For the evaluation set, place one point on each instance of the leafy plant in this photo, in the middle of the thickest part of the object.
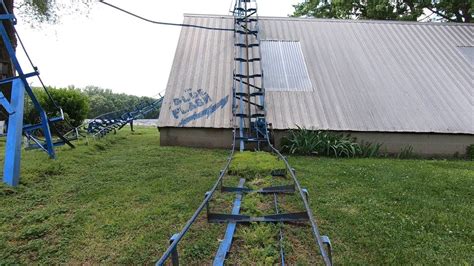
(308, 142)
(406, 152)
(470, 152)
(369, 150)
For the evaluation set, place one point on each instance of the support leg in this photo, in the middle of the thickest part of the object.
(174, 255)
(47, 135)
(11, 170)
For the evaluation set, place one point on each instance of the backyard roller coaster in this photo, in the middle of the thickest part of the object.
(250, 132)
(46, 134)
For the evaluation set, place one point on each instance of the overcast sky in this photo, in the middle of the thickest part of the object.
(112, 50)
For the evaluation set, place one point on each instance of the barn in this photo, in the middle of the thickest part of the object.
(396, 83)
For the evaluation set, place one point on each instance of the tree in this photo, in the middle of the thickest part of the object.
(105, 101)
(35, 12)
(421, 10)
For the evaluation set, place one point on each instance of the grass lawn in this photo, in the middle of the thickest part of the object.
(118, 200)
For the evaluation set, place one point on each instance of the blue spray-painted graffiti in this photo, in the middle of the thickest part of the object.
(206, 112)
(190, 101)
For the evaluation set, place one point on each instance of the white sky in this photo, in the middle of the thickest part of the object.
(110, 49)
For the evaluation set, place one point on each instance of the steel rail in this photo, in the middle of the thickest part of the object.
(198, 211)
(314, 225)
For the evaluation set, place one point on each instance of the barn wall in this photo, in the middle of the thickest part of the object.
(196, 137)
(423, 144)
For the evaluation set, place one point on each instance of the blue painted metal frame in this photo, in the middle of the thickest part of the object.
(229, 233)
(15, 109)
(11, 169)
(4, 102)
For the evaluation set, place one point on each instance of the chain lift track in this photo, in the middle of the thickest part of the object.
(248, 89)
(250, 131)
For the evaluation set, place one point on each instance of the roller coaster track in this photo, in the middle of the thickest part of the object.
(113, 121)
(322, 242)
(250, 131)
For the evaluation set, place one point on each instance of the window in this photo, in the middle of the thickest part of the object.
(284, 66)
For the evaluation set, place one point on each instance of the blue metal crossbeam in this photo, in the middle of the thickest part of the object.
(229, 233)
(4, 102)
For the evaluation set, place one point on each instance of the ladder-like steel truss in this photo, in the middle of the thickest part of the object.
(248, 86)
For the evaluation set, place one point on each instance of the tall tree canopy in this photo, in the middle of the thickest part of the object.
(48, 11)
(422, 10)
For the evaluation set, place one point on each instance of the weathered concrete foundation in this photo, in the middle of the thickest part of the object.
(423, 144)
(196, 137)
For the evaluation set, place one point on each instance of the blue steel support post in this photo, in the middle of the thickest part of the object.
(11, 170)
(174, 255)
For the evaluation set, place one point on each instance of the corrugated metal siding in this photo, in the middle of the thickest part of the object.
(203, 60)
(468, 52)
(366, 76)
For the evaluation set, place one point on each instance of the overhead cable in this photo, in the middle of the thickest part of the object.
(161, 22)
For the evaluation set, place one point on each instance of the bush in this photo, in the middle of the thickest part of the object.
(470, 152)
(74, 103)
(308, 142)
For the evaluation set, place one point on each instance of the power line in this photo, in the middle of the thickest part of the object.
(161, 22)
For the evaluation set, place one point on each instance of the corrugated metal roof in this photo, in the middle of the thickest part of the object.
(366, 76)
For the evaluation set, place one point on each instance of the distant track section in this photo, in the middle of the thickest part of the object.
(113, 121)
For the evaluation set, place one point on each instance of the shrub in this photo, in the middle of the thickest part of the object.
(74, 103)
(470, 152)
(308, 142)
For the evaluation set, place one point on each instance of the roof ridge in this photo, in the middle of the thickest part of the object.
(316, 20)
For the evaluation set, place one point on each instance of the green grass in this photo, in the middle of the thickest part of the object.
(118, 200)
(254, 164)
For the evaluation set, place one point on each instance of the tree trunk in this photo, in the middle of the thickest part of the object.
(6, 67)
